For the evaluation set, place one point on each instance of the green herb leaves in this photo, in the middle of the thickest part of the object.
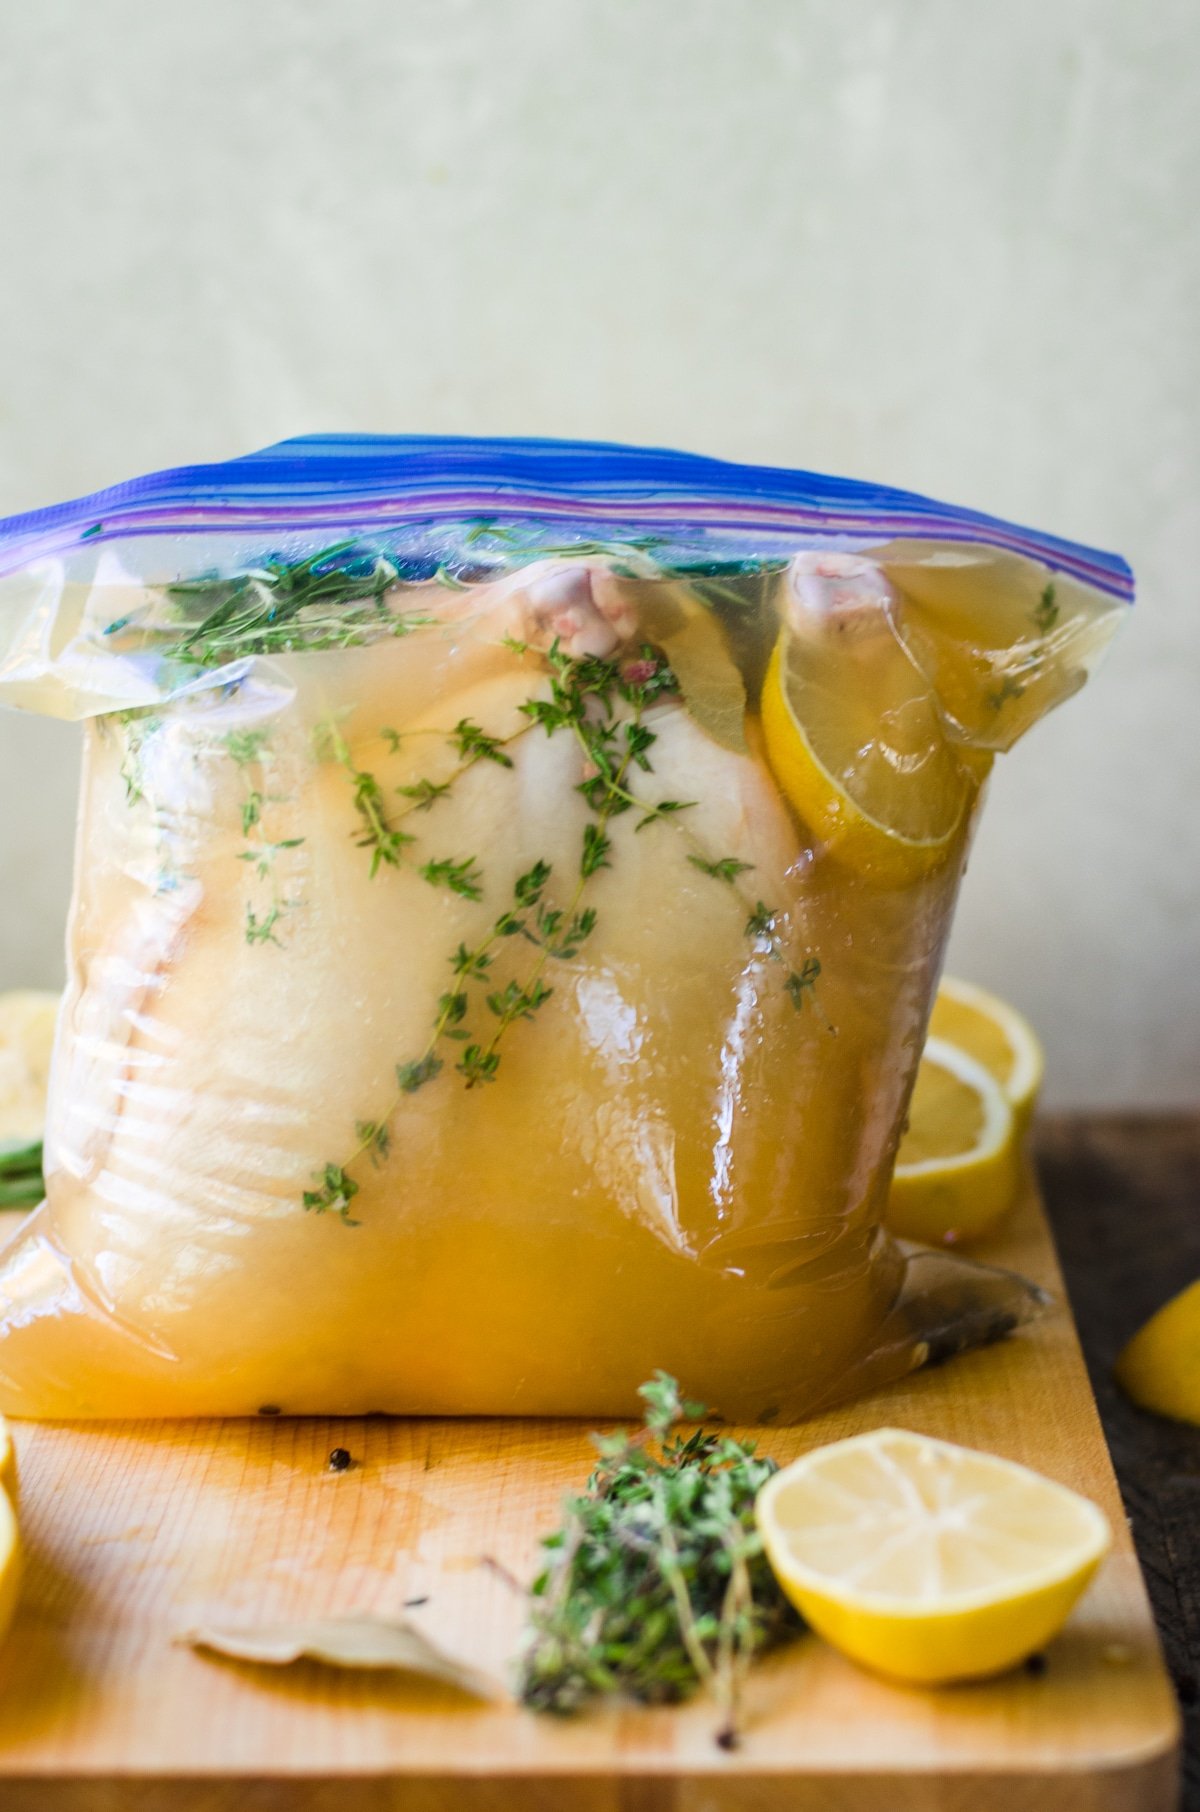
(249, 750)
(801, 983)
(725, 868)
(336, 598)
(21, 1182)
(594, 856)
(385, 843)
(1010, 687)
(412, 1076)
(424, 793)
(245, 746)
(530, 886)
(477, 1064)
(137, 728)
(1045, 616)
(761, 923)
(656, 1581)
(474, 745)
(463, 877)
(336, 1192)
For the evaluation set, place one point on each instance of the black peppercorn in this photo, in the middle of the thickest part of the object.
(339, 1460)
(1036, 1665)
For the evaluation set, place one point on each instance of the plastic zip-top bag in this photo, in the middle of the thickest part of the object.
(512, 878)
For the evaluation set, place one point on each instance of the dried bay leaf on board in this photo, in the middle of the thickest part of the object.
(351, 1642)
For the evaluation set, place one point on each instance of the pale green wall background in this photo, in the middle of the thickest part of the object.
(949, 244)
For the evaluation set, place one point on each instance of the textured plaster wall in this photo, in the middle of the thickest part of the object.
(944, 243)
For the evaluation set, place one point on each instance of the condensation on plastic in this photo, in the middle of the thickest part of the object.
(682, 1160)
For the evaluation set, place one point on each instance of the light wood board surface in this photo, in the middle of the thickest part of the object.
(137, 1532)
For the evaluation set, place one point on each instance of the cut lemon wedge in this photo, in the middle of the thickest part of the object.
(958, 1170)
(997, 1036)
(27, 1021)
(856, 745)
(1160, 1367)
(926, 1561)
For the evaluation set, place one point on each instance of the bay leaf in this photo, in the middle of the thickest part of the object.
(699, 653)
(351, 1642)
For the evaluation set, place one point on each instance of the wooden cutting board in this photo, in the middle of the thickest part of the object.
(139, 1531)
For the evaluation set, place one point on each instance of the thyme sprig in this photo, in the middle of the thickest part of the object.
(137, 727)
(336, 1184)
(380, 834)
(136, 730)
(377, 833)
(725, 868)
(337, 598)
(800, 985)
(1046, 613)
(245, 749)
(585, 692)
(657, 1582)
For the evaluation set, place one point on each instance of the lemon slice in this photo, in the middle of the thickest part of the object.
(1160, 1367)
(926, 1561)
(856, 745)
(997, 1036)
(27, 1021)
(958, 1170)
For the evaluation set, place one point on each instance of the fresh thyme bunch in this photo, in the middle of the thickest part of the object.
(657, 1581)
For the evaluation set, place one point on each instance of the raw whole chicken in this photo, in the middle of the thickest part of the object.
(408, 1065)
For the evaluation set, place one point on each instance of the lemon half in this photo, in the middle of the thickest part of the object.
(926, 1561)
(958, 1170)
(27, 1022)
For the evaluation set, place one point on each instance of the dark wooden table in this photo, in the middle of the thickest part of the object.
(1123, 1193)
